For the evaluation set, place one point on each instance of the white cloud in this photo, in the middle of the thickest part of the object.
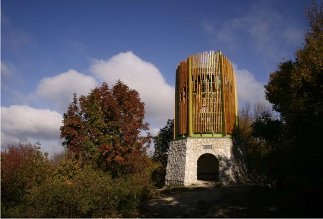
(144, 77)
(5, 70)
(60, 88)
(22, 123)
(250, 91)
(9, 74)
(269, 32)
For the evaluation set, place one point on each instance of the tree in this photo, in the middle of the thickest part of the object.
(22, 167)
(267, 129)
(256, 147)
(106, 126)
(296, 91)
(162, 141)
(241, 136)
(278, 89)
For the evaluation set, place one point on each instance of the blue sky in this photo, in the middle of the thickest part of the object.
(53, 48)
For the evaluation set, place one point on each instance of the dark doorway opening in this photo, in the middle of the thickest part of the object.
(208, 168)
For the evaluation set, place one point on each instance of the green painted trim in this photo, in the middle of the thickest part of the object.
(203, 136)
(181, 137)
(207, 135)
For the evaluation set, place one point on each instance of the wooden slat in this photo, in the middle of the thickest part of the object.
(214, 107)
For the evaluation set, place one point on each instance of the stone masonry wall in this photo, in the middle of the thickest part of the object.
(175, 170)
(183, 155)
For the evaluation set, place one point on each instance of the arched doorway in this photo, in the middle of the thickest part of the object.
(208, 168)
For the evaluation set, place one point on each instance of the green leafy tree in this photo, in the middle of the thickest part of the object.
(257, 145)
(295, 89)
(106, 126)
(268, 142)
(296, 92)
(162, 142)
(266, 129)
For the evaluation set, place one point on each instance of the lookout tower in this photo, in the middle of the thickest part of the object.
(205, 115)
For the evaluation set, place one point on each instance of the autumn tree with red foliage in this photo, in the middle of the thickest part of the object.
(22, 167)
(106, 127)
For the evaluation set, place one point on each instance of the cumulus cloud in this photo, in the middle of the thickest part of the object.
(22, 123)
(60, 88)
(250, 91)
(144, 77)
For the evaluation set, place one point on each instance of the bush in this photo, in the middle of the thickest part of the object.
(158, 175)
(87, 193)
(22, 167)
(33, 186)
(81, 191)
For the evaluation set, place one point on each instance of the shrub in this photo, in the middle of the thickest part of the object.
(81, 191)
(158, 175)
(22, 167)
(32, 186)
(86, 193)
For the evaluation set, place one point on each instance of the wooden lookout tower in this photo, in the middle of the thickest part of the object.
(205, 96)
(205, 116)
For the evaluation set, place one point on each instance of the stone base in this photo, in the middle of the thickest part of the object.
(183, 156)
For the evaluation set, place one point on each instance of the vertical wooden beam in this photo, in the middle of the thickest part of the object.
(216, 112)
(224, 130)
(235, 98)
(190, 94)
(176, 104)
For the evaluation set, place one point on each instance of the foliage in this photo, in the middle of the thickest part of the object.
(22, 167)
(74, 189)
(105, 127)
(259, 138)
(266, 129)
(158, 175)
(241, 140)
(104, 171)
(287, 151)
(296, 92)
(162, 141)
(295, 89)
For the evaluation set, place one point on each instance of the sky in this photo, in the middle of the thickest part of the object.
(51, 49)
